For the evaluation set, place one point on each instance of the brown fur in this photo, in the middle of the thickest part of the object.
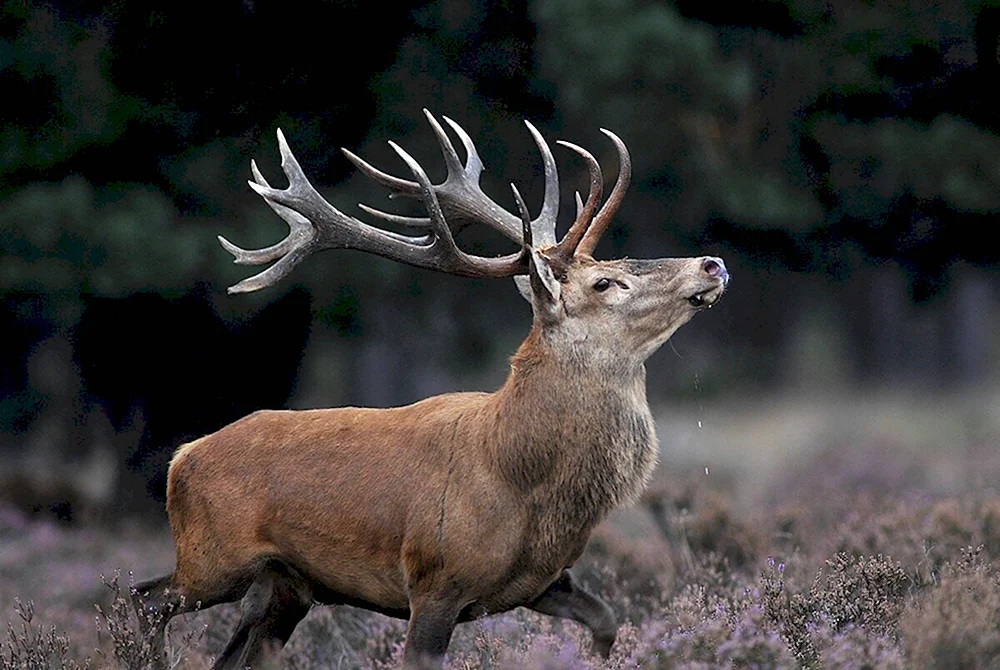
(461, 504)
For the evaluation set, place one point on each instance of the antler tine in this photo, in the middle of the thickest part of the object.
(473, 163)
(439, 227)
(604, 216)
(522, 209)
(395, 184)
(411, 221)
(571, 240)
(451, 159)
(273, 274)
(544, 225)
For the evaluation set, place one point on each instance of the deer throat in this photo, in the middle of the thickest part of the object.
(580, 449)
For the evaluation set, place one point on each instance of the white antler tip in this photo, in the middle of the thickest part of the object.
(257, 176)
(242, 287)
(614, 138)
(286, 152)
(578, 149)
(259, 189)
(230, 247)
(402, 152)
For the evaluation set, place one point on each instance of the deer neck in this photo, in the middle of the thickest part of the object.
(578, 436)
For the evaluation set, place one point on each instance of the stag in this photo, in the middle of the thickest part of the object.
(461, 505)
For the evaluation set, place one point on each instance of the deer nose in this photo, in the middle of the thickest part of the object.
(714, 267)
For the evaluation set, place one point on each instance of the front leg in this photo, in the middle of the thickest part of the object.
(432, 621)
(566, 598)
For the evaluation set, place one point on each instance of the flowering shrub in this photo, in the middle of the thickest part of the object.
(838, 568)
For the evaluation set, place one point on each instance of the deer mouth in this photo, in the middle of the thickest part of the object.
(705, 299)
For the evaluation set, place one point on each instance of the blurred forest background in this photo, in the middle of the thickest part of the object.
(842, 156)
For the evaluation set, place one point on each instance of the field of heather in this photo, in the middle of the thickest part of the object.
(849, 534)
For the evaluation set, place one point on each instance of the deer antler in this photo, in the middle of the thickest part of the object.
(315, 224)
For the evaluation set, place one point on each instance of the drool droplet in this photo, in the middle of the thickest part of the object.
(699, 424)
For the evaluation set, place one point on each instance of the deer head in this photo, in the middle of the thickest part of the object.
(589, 310)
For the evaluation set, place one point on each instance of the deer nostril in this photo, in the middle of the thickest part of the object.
(714, 267)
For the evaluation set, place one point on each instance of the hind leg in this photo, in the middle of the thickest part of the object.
(156, 602)
(159, 600)
(271, 609)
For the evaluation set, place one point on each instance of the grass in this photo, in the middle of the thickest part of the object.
(808, 534)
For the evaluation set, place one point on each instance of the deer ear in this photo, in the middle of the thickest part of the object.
(545, 288)
(523, 286)
(540, 282)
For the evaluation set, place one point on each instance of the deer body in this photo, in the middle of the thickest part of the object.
(460, 505)
(482, 490)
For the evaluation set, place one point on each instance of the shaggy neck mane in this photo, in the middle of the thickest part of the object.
(575, 439)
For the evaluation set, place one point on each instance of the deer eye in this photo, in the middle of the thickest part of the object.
(602, 284)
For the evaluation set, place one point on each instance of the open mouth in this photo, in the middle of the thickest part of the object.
(706, 298)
